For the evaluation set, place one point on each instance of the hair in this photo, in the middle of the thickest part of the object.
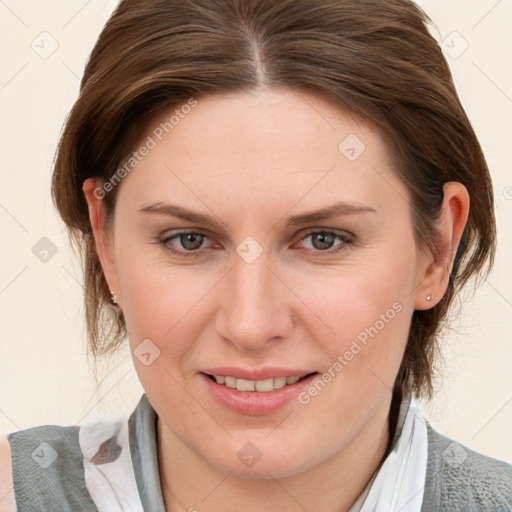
(375, 58)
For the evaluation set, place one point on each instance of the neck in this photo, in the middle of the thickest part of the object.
(190, 484)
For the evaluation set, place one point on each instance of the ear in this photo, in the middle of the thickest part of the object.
(94, 195)
(435, 268)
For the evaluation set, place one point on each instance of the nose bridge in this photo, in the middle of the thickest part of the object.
(253, 311)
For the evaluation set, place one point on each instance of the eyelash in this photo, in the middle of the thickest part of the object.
(347, 240)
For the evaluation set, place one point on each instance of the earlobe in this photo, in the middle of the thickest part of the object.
(432, 288)
(437, 265)
(94, 195)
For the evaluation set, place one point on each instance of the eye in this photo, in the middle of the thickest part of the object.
(190, 242)
(323, 241)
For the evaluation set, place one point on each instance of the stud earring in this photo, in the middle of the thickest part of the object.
(429, 298)
(113, 299)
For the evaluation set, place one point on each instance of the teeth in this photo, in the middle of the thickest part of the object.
(245, 385)
(230, 382)
(255, 385)
(264, 385)
(279, 382)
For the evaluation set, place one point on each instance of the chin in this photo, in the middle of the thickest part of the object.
(261, 459)
(271, 468)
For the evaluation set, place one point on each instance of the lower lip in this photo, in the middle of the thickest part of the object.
(255, 403)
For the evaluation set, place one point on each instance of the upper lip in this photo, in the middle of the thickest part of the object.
(257, 373)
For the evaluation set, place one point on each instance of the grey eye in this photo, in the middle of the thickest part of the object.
(322, 240)
(191, 241)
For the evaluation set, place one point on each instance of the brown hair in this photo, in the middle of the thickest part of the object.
(373, 57)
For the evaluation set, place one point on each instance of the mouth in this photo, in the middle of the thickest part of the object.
(257, 386)
(255, 392)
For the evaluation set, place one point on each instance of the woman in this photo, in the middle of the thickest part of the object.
(276, 204)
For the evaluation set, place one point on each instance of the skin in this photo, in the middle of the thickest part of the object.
(250, 161)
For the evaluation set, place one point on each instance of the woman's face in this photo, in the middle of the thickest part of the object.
(300, 260)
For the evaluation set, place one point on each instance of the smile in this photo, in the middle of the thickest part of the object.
(261, 386)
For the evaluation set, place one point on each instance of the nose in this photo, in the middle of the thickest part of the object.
(254, 305)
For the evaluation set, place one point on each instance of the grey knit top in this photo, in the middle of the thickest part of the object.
(457, 478)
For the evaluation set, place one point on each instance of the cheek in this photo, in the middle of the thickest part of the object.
(154, 292)
(159, 310)
(165, 304)
(159, 302)
(366, 349)
(368, 312)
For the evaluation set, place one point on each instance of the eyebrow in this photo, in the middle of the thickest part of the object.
(335, 210)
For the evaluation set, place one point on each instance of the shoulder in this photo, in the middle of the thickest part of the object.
(47, 469)
(460, 479)
(7, 501)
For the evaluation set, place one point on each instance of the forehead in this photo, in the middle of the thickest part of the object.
(262, 146)
(262, 121)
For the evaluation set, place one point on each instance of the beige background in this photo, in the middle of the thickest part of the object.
(44, 374)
